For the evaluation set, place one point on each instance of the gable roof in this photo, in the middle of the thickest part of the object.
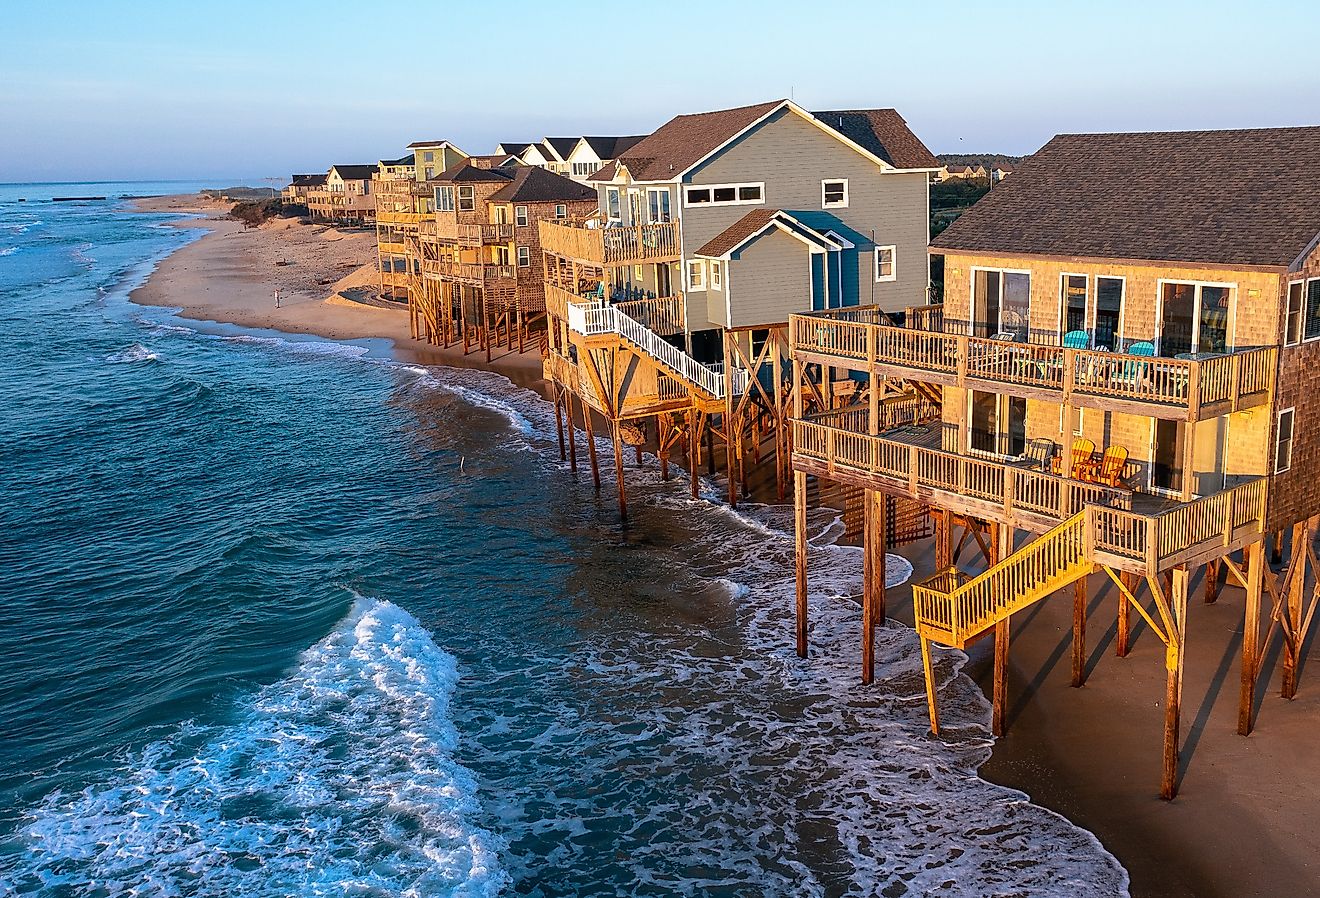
(758, 221)
(883, 133)
(355, 172)
(495, 160)
(684, 140)
(308, 180)
(533, 184)
(511, 149)
(431, 144)
(467, 173)
(402, 160)
(1221, 197)
(560, 147)
(610, 147)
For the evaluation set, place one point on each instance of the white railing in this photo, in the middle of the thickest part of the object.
(593, 318)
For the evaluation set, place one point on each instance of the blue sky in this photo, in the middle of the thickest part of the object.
(245, 89)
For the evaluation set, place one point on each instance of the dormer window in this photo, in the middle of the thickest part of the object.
(834, 194)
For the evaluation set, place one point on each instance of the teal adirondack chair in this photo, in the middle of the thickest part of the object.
(1129, 372)
(1076, 340)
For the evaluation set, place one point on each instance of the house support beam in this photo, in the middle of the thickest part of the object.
(800, 568)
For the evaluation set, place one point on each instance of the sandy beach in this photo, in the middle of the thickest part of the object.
(231, 275)
(1240, 824)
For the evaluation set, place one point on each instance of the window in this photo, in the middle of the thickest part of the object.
(834, 193)
(1284, 442)
(428, 156)
(657, 203)
(884, 263)
(716, 275)
(524, 257)
(520, 216)
(725, 195)
(696, 275)
(612, 204)
(444, 199)
(1292, 328)
(1311, 327)
(1001, 303)
(1194, 318)
(561, 211)
(1109, 312)
(1074, 304)
(998, 424)
(430, 173)
(467, 199)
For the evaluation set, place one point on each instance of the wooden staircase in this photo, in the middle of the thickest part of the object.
(953, 608)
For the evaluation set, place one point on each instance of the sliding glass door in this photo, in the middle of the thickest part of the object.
(1194, 318)
(998, 424)
(1001, 304)
(1166, 470)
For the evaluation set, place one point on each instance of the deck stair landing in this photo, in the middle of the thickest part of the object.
(953, 608)
(598, 318)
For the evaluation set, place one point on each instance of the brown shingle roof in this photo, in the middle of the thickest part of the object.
(685, 139)
(1223, 197)
(737, 232)
(533, 184)
(883, 133)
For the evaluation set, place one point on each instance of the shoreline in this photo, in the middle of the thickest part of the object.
(230, 274)
(1089, 754)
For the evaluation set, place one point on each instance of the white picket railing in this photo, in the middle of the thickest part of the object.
(592, 318)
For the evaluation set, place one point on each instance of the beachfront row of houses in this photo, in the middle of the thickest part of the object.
(1115, 388)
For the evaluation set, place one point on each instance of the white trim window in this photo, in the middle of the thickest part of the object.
(1283, 441)
(1292, 326)
(467, 198)
(716, 275)
(834, 193)
(520, 216)
(444, 199)
(613, 204)
(524, 257)
(749, 194)
(886, 263)
(1311, 311)
(696, 274)
(561, 210)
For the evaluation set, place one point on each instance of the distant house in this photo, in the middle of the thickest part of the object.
(591, 154)
(1000, 171)
(956, 171)
(346, 195)
(300, 185)
(434, 156)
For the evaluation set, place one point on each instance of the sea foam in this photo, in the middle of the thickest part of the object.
(338, 779)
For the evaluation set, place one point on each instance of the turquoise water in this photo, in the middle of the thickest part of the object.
(287, 617)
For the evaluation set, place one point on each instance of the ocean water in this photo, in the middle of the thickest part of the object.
(287, 617)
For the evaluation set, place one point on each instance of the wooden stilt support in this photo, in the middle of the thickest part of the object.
(1173, 661)
(1122, 641)
(1079, 633)
(800, 567)
(710, 449)
(559, 421)
(730, 459)
(694, 451)
(1276, 552)
(591, 445)
(572, 431)
(1292, 612)
(662, 446)
(943, 541)
(1211, 581)
(1255, 559)
(928, 669)
(618, 470)
(999, 691)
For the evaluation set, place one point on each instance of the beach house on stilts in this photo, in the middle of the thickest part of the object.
(668, 306)
(1127, 356)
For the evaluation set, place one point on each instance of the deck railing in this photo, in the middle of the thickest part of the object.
(588, 241)
(665, 315)
(860, 337)
(477, 234)
(1015, 488)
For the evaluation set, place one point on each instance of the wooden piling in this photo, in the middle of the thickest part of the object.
(559, 421)
(591, 445)
(800, 555)
(572, 431)
(927, 668)
(1255, 559)
(618, 470)
(1122, 641)
(1174, 658)
(1079, 633)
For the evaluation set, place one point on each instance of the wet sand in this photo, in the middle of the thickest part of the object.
(231, 274)
(1241, 825)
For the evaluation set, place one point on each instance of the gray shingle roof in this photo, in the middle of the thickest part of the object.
(533, 184)
(1242, 197)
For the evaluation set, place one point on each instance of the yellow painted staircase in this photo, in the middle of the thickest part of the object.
(953, 608)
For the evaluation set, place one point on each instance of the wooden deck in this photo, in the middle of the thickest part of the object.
(606, 246)
(1131, 530)
(861, 339)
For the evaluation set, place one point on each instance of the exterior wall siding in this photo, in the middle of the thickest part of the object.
(768, 280)
(1295, 494)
